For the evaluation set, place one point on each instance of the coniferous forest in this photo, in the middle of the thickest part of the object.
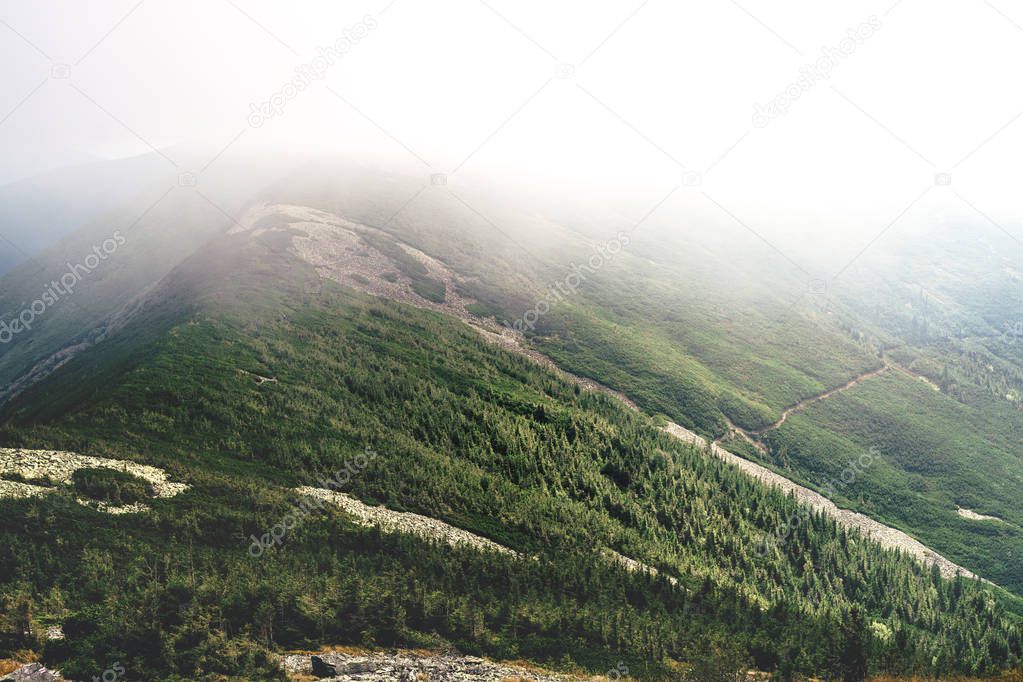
(464, 432)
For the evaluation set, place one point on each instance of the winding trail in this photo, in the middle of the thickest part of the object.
(882, 534)
(916, 375)
(754, 436)
(331, 262)
(806, 402)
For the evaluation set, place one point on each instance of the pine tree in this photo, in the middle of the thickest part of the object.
(853, 661)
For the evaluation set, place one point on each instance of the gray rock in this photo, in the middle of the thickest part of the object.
(33, 672)
(406, 667)
(323, 667)
(333, 665)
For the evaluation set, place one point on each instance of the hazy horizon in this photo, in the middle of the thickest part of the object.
(641, 97)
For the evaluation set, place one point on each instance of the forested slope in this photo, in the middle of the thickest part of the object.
(465, 432)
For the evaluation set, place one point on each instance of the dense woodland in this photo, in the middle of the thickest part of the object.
(692, 342)
(466, 433)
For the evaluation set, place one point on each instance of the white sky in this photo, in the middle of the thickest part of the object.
(673, 85)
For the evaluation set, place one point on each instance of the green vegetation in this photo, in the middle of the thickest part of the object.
(930, 461)
(491, 443)
(430, 289)
(111, 486)
(466, 433)
(683, 343)
(647, 368)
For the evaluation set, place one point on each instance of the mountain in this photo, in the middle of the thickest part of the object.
(39, 211)
(334, 406)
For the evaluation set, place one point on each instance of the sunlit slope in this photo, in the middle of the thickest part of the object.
(465, 432)
(934, 455)
(700, 330)
(710, 330)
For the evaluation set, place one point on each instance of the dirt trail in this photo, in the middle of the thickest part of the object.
(916, 375)
(754, 437)
(340, 252)
(806, 402)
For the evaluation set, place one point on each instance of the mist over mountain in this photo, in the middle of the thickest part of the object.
(400, 341)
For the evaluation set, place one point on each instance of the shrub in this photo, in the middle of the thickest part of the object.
(111, 486)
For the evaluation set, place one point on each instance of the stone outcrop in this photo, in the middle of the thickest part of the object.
(634, 566)
(974, 516)
(391, 521)
(40, 471)
(32, 672)
(883, 535)
(409, 667)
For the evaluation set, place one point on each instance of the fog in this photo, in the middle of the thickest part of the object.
(890, 115)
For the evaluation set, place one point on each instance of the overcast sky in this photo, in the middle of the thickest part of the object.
(638, 95)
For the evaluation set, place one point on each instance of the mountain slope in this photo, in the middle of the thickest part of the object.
(465, 432)
(714, 336)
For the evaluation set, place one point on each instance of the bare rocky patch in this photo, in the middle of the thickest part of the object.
(633, 566)
(391, 521)
(260, 379)
(343, 251)
(18, 490)
(974, 516)
(333, 246)
(21, 472)
(411, 666)
(32, 672)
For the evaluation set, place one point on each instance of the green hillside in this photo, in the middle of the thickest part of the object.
(466, 433)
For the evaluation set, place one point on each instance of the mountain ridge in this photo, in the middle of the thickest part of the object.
(478, 428)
